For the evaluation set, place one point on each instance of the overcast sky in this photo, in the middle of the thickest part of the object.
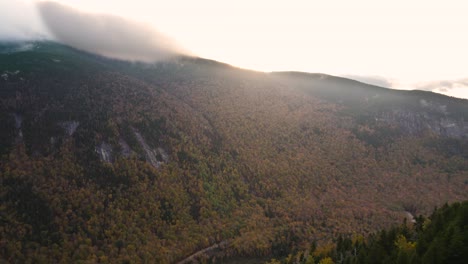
(403, 44)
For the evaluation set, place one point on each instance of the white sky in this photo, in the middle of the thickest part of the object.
(405, 41)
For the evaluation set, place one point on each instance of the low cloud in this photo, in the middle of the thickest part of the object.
(19, 21)
(443, 86)
(107, 35)
(373, 80)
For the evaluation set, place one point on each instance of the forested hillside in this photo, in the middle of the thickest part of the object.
(118, 162)
(440, 238)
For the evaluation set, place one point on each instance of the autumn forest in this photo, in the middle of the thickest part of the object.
(106, 161)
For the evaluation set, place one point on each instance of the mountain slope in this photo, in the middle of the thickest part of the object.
(112, 161)
(440, 238)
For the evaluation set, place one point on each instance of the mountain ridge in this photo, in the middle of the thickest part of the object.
(106, 160)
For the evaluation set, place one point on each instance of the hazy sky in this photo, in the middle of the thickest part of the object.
(404, 44)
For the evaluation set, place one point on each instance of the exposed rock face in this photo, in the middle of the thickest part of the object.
(104, 151)
(416, 123)
(162, 155)
(154, 157)
(18, 124)
(70, 126)
(7, 75)
(18, 120)
(126, 150)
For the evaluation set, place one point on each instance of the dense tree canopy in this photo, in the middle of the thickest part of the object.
(108, 161)
(440, 238)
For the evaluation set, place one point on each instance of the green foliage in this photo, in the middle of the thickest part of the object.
(441, 238)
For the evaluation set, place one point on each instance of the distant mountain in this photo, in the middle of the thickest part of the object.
(415, 112)
(111, 161)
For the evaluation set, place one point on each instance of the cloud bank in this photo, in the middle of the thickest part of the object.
(19, 21)
(106, 35)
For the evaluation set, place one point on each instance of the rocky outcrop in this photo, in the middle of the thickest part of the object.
(417, 123)
(155, 157)
(69, 126)
(104, 150)
(18, 125)
(126, 150)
